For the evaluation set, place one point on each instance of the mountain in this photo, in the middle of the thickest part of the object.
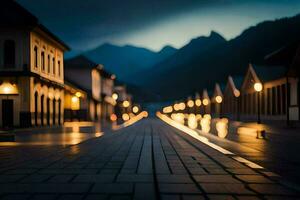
(195, 47)
(125, 61)
(197, 66)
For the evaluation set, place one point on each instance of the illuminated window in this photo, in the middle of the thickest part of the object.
(9, 53)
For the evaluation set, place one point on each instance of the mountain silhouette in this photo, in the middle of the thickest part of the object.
(199, 65)
(126, 61)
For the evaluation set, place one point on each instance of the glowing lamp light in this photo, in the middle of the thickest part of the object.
(135, 109)
(219, 99)
(182, 106)
(115, 96)
(198, 102)
(205, 102)
(176, 107)
(8, 88)
(126, 104)
(78, 94)
(125, 117)
(113, 117)
(236, 93)
(258, 87)
(168, 109)
(75, 103)
(190, 103)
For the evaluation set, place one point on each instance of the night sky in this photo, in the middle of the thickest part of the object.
(85, 24)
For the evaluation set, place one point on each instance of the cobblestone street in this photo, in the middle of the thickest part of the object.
(148, 160)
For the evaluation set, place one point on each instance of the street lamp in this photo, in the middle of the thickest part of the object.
(115, 96)
(258, 88)
(219, 100)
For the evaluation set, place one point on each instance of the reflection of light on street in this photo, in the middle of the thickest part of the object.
(192, 121)
(98, 134)
(198, 117)
(178, 117)
(192, 133)
(222, 127)
(205, 123)
(131, 121)
(247, 162)
(75, 128)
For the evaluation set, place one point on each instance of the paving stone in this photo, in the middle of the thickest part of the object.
(35, 178)
(192, 197)
(96, 197)
(243, 171)
(141, 189)
(71, 197)
(15, 197)
(113, 188)
(253, 179)
(118, 197)
(215, 179)
(179, 188)
(59, 188)
(94, 178)
(273, 189)
(174, 179)
(10, 178)
(170, 197)
(60, 178)
(223, 188)
(135, 178)
(221, 197)
(44, 197)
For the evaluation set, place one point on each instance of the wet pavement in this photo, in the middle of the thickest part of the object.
(279, 151)
(148, 160)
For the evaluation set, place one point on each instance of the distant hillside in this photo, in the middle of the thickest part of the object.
(205, 66)
(125, 61)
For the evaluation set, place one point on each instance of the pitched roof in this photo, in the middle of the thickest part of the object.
(238, 81)
(14, 15)
(267, 73)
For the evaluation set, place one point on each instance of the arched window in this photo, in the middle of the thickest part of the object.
(9, 53)
(53, 62)
(43, 60)
(58, 65)
(35, 57)
(49, 62)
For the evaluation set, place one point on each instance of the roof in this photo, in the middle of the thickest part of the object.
(14, 15)
(238, 81)
(82, 62)
(267, 73)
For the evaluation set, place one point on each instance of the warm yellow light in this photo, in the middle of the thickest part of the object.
(113, 117)
(181, 106)
(176, 107)
(75, 105)
(205, 102)
(168, 109)
(115, 96)
(258, 87)
(198, 102)
(8, 88)
(237, 93)
(78, 94)
(126, 104)
(125, 117)
(135, 109)
(219, 99)
(190, 103)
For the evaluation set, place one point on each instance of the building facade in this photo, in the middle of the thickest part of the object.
(32, 71)
(276, 103)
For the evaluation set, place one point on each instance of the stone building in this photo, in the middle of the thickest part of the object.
(32, 70)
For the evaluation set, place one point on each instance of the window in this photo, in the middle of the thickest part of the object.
(53, 63)
(35, 61)
(58, 65)
(283, 98)
(43, 60)
(9, 53)
(49, 62)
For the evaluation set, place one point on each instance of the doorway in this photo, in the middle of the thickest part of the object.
(7, 113)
